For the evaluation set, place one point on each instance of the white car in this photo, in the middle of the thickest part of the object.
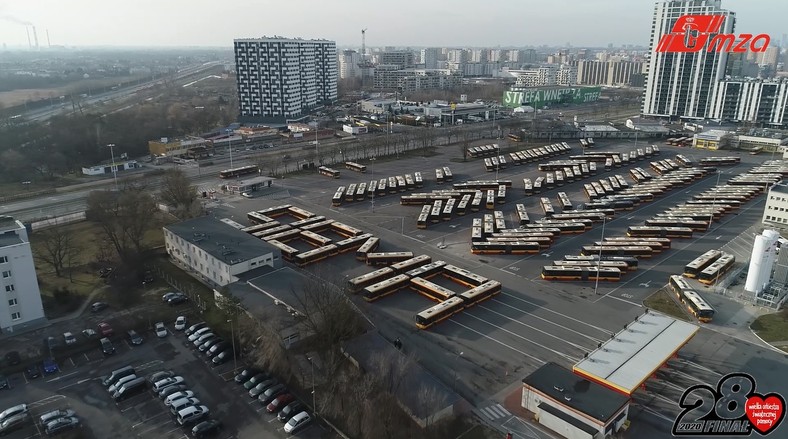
(167, 382)
(180, 323)
(247, 195)
(161, 330)
(69, 337)
(176, 396)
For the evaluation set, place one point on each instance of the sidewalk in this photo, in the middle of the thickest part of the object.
(78, 312)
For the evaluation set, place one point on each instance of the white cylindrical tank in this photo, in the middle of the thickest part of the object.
(762, 261)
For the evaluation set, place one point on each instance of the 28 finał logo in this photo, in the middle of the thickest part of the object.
(732, 409)
(694, 33)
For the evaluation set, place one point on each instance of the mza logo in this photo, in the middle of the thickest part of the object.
(732, 409)
(693, 33)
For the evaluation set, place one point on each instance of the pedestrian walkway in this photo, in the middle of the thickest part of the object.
(495, 412)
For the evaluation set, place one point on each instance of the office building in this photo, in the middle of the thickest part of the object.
(349, 64)
(751, 100)
(283, 79)
(682, 84)
(21, 306)
(217, 251)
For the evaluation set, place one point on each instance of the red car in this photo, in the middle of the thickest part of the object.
(280, 402)
(105, 329)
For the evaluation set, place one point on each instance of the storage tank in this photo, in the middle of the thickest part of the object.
(762, 261)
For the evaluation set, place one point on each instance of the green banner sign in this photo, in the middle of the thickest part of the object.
(539, 97)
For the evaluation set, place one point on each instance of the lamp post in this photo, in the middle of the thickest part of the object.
(456, 374)
(314, 399)
(230, 146)
(114, 166)
(232, 335)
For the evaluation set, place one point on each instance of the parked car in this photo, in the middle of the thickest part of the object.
(297, 422)
(32, 372)
(160, 375)
(48, 417)
(206, 428)
(166, 382)
(3, 382)
(13, 411)
(69, 338)
(178, 299)
(246, 374)
(209, 344)
(169, 399)
(167, 391)
(218, 348)
(290, 410)
(49, 365)
(13, 358)
(106, 346)
(255, 380)
(280, 402)
(195, 327)
(134, 337)
(98, 306)
(166, 297)
(89, 333)
(61, 425)
(105, 329)
(51, 343)
(222, 357)
(192, 414)
(198, 333)
(161, 330)
(105, 272)
(114, 387)
(13, 423)
(257, 390)
(183, 403)
(180, 323)
(272, 392)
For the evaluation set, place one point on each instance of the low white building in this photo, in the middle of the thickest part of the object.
(109, 168)
(21, 306)
(216, 251)
(775, 213)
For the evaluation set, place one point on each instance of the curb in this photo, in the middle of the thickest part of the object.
(767, 344)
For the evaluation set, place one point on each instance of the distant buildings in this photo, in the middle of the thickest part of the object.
(775, 213)
(177, 147)
(608, 73)
(109, 168)
(283, 79)
(349, 64)
(21, 306)
(751, 100)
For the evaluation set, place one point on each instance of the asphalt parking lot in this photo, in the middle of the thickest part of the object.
(77, 386)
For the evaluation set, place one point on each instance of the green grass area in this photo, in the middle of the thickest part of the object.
(772, 327)
(662, 301)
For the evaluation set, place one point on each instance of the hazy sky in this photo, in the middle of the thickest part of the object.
(485, 23)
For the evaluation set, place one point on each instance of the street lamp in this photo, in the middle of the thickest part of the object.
(456, 374)
(314, 403)
(232, 335)
(230, 145)
(114, 166)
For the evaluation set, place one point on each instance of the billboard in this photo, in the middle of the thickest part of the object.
(539, 97)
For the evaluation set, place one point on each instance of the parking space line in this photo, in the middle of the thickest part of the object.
(72, 362)
(57, 378)
(146, 420)
(86, 357)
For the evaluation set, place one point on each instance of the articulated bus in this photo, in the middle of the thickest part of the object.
(418, 180)
(691, 299)
(430, 290)
(522, 215)
(528, 186)
(713, 272)
(664, 243)
(632, 262)
(551, 272)
(314, 239)
(336, 200)
(696, 226)
(288, 253)
(538, 183)
(424, 217)
(353, 243)
(655, 247)
(619, 265)
(369, 246)
(259, 218)
(260, 227)
(719, 161)
(359, 283)
(563, 200)
(439, 312)
(384, 288)
(439, 175)
(237, 172)
(462, 276)
(328, 172)
(659, 232)
(505, 248)
(565, 227)
(694, 268)
(476, 202)
(411, 264)
(353, 166)
(480, 293)
(318, 254)
(638, 251)
(350, 194)
(387, 258)
(427, 271)
(547, 206)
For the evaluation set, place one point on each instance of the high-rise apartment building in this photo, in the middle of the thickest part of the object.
(682, 84)
(349, 64)
(757, 101)
(282, 79)
(607, 72)
(429, 57)
(402, 58)
(21, 304)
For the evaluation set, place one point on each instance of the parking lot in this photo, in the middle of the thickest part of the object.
(77, 386)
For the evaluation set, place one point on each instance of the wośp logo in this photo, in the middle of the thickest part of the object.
(732, 409)
(693, 33)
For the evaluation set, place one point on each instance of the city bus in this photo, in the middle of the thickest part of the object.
(713, 272)
(336, 200)
(410, 264)
(260, 227)
(490, 200)
(663, 242)
(514, 137)
(350, 194)
(463, 276)
(691, 299)
(620, 265)
(353, 243)
(318, 254)
(694, 268)
(360, 282)
(590, 192)
(393, 185)
(563, 200)
(271, 231)
(387, 258)
(505, 248)
(462, 206)
(384, 288)
(537, 186)
(549, 180)
(659, 232)
(430, 290)
(424, 217)
(283, 236)
(552, 272)
(447, 175)
(632, 262)
(439, 312)
(418, 180)
(259, 218)
(288, 253)
(361, 192)
(501, 196)
(345, 230)
(480, 293)
(635, 251)
(547, 206)
(696, 226)
(439, 175)
(435, 212)
(328, 172)
(427, 271)
(353, 166)
(498, 220)
(314, 239)
(237, 172)
(565, 227)
(382, 187)
(402, 185)
(476, 202)
(318, 226)
(410, 183)
(522, 215)
(369, 246)
(448, 209)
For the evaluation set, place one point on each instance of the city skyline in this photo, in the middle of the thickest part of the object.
(463, 23)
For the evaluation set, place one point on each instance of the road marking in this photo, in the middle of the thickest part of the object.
(594, 339)
(145, 421)
(532, 327)
(45, 401)
(605, 331)
(61, 377)
(606, 296)
(525, 354)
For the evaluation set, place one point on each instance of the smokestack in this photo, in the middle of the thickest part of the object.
(29, 43)
(49, 44)
(35, 36)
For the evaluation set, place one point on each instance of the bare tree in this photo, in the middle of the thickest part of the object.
(58, 248)
(430, 400)
(124, 217)
(179, 193)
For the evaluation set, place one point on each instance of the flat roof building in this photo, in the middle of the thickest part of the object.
(21, 307)
(216, 251)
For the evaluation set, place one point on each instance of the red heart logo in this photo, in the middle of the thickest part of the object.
(765, 411)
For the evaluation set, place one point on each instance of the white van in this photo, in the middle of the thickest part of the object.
(191, 414)
(115, 387)
(116, 374)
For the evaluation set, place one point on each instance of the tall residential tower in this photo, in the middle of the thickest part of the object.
(282, 79)
(682, 84)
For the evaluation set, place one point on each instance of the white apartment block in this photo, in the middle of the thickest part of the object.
(282, 79)
(538, 77)
(614, 72)
(429, 57)
(775, 213)
(216, 251)
(21, 305)
(751, 100)
(682, 84)
(566, 75)
(349, 64)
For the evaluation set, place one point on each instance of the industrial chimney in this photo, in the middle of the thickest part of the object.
(49, 44)
(29, 43)
(35, 36)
